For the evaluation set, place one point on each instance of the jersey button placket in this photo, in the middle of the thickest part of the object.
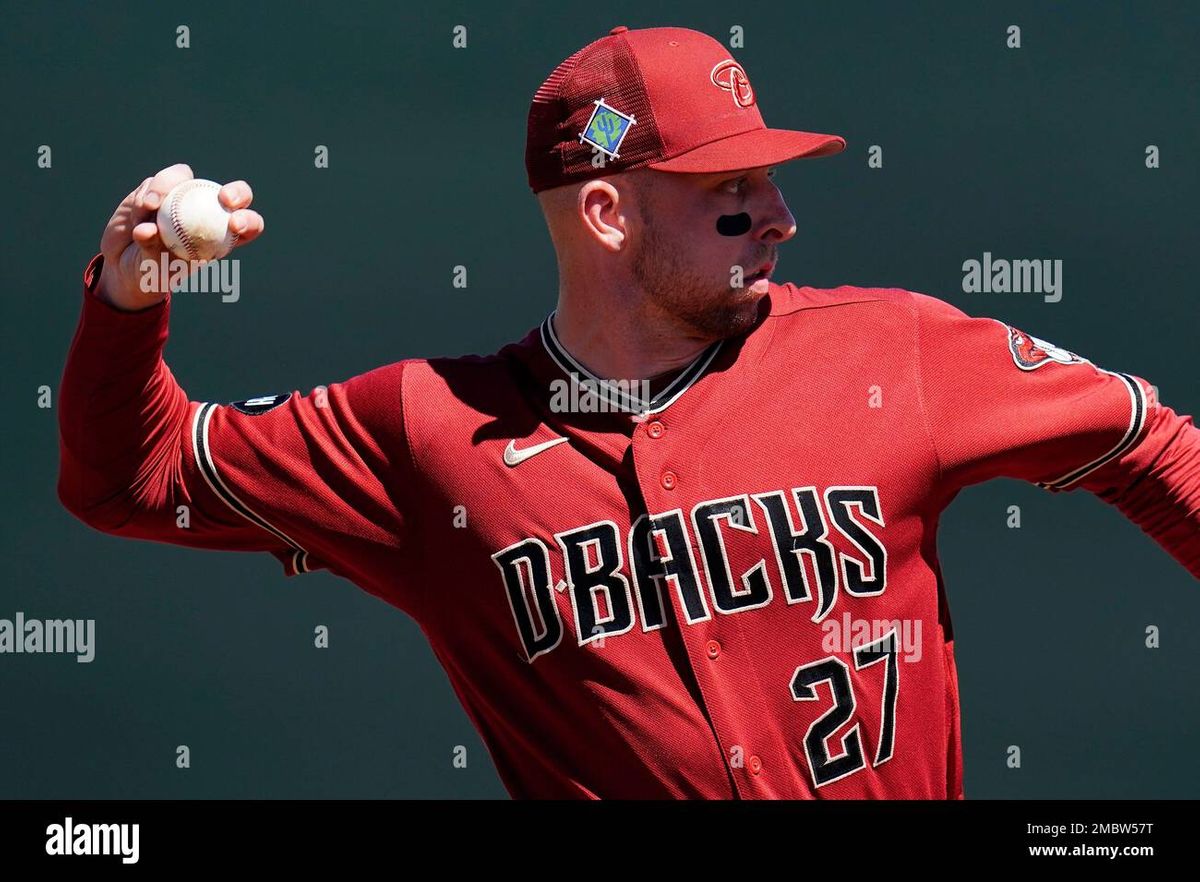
(655, 429)
(651, 448)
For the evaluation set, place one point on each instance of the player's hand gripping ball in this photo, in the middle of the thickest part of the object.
(192, 222)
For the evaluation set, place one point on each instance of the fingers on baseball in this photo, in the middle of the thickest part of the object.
(235, 195)
(147, 238)
(247, 224)
(163, 183)
(139, 192)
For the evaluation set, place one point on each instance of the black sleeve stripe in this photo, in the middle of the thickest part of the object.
(1137, 421)
(208, 468)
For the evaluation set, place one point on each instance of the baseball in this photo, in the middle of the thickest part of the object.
(192, 222)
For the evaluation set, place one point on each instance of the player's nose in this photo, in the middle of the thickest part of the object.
(776, 223)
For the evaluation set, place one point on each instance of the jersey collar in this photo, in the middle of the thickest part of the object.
(624, 399)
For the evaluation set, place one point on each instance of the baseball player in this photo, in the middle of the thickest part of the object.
(627, 536)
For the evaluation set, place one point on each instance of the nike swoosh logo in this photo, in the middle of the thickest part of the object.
(514, 457)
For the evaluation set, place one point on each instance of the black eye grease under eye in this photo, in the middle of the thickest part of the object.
(734, 224)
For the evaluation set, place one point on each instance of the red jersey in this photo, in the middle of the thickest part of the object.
(726, 588)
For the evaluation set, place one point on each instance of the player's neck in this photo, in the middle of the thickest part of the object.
(618, 348)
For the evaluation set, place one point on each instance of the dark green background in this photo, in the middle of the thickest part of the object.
(1030, 153)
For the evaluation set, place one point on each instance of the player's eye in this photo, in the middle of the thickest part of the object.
(737, 185)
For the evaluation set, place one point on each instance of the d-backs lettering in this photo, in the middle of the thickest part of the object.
(660, 549)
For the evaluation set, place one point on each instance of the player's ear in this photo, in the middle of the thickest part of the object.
(603, 212)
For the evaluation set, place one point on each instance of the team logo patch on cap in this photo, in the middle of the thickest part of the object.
(1030, 353)
(607, 128)
(730, 76)
(259, 405)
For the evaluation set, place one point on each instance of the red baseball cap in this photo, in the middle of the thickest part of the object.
(670, 99)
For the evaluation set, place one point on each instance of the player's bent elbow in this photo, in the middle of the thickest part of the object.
(105, 514)
(89, 513)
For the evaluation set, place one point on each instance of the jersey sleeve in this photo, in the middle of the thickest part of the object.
(321, 480)
(324, 476)
(1003, 403)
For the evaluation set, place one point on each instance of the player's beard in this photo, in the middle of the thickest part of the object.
(703, 306)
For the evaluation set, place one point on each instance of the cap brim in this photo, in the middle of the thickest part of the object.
(753, 149)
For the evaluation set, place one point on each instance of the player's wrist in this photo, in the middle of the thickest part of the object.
(110, 289)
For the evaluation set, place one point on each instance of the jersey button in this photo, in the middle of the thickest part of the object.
(714, 648)
(755, 765)
(668, 480)
(655, 429)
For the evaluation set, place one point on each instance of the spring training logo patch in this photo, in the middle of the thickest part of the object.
(260, 405)
(607, 128)
(1030, 353)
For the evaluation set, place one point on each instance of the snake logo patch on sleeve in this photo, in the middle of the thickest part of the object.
(1030, 353)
